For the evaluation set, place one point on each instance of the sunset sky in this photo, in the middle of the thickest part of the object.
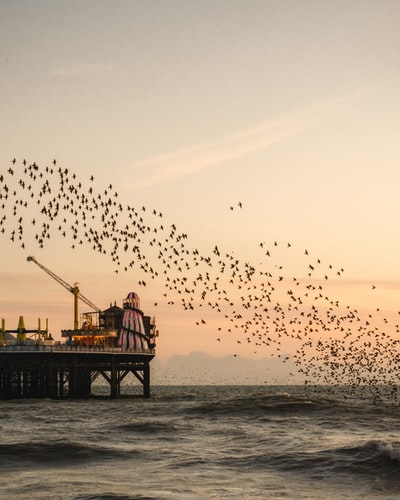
(243, 122)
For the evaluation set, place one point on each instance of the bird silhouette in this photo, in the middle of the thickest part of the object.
(254, 304)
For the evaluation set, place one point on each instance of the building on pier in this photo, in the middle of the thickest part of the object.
(108, 345)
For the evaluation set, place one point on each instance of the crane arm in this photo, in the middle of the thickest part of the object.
(72, 289)
(57, 278)
(88, 302)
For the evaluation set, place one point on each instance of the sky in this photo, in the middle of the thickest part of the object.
(242, 122)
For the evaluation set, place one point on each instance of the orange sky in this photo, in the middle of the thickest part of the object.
(190, 108)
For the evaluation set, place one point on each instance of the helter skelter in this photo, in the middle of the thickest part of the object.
(133, 333)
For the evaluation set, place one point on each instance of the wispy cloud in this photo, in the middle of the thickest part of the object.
(82, 69)
(194, 159)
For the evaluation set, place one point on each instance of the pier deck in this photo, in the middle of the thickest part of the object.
(38, 371)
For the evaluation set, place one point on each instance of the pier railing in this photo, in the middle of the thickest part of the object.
(70, 348)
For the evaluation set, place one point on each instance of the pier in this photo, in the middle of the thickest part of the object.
(109, 344)
(43, 371)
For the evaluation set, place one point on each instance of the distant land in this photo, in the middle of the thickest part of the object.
(199, 368)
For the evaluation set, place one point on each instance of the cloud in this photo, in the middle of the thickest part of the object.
(82, 69)
(196, 367)
(194, 159)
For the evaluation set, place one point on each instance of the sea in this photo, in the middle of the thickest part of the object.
(201, 442)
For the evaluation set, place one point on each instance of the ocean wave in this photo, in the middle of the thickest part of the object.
(266, 404)
(55, 453)
(149, 427)
(371, 459)
(112, 496)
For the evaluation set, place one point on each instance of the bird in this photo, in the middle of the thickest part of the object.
(247, 297)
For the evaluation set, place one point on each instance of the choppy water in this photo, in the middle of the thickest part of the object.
(203, 442)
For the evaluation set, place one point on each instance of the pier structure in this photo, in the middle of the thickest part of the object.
(22, 333)
(40, 371)
(109, 344)
(33, 365)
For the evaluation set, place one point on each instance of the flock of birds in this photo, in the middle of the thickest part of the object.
(249, 304)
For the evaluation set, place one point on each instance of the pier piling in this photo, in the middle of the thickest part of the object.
(51, 372)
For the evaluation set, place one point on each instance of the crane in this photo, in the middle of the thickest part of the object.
(73, 289)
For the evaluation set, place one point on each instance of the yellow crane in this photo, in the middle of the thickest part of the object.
(73, 289)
